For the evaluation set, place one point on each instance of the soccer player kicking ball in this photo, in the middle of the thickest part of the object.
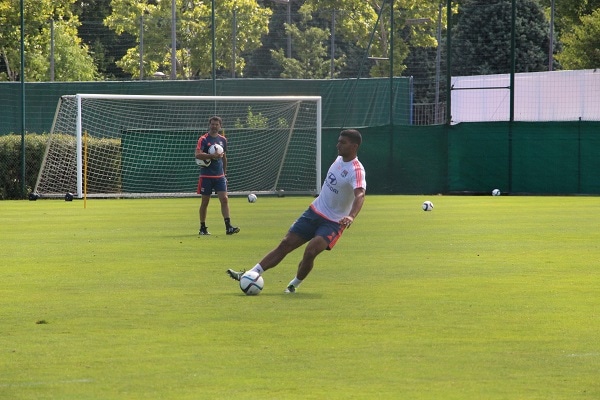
(321, 225)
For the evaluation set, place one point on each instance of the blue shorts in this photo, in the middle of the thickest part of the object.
(207, 185)
(310, 224)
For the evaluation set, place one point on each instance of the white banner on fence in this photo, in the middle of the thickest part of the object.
(539, 96)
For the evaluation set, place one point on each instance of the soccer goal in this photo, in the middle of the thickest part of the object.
(103, 145)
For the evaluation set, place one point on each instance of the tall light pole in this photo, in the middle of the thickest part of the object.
(213, 35)
(173, 41)
(289, 22)
(392, 28)
(438, 57)
(332, 65)
(551, 50)
(52, 50)
(409, 22)
(448, 62)
(22, 78)
(233, 42)
(142, 46)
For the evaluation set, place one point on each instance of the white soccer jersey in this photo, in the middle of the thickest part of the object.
(337, 193)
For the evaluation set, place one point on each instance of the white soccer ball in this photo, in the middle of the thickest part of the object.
(427, 206)
(215, 149)
(251, 283)
(252, 198)
(496, 192)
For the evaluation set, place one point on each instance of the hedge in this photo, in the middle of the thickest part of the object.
(35, 147)
(11, 166)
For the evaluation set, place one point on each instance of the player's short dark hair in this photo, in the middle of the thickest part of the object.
(215, 118)
(353, 135)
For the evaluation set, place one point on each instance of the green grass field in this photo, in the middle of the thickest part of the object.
(482, 298)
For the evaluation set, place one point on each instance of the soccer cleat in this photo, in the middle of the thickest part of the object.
(203, 231)
(290, 289)
(231, 230)
(234, 274)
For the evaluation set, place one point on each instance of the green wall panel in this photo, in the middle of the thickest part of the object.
(478, 158)
(523, 158)
(346, 102)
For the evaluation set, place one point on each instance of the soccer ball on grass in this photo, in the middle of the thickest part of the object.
(496, 192)
(427, 206)
(251, 283)
(252, 198)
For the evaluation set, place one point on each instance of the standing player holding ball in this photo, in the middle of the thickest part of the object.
(321, 225)
(213, 174)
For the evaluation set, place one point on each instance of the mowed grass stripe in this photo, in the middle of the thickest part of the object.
(483, 297)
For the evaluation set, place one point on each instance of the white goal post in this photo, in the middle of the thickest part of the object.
(109, 145)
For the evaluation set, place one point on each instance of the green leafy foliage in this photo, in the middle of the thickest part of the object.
(253, 120)
(72, 59)
(11, 166)
(35, 147)
(582, 45)
(311, 59)
(482, 38)
(194, 41)
(568, 13)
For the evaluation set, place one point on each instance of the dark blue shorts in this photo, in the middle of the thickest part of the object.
(310, 224)
(209, 185)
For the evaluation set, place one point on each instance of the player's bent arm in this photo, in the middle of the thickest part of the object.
(206, 156)
(200, 155)
(359, 199)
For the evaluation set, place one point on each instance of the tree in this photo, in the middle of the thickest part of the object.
(582, 46)
(311, 60)
(575, 19)
(357, 19)
(71, 62)
(482, 37)
(106, 46)
(568, 12)
(194, 41)
(72, 59)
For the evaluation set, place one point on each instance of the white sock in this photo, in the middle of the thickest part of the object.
(258, 268)
(295, 282)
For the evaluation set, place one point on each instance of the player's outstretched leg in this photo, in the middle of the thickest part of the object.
(235, 274)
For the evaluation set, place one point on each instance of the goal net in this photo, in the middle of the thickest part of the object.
(144, 146)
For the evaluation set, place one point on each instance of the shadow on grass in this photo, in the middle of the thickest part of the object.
(299, 295)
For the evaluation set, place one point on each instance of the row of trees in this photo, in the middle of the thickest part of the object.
(126, 39)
